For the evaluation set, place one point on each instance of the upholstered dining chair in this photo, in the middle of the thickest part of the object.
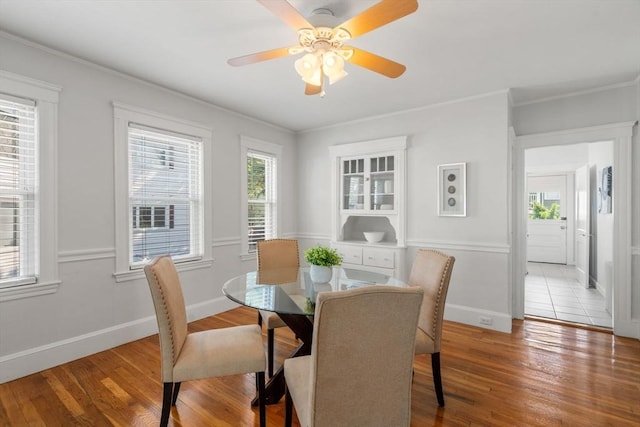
(356, 375)
(275, 254)
(431, 271)
(190, 356)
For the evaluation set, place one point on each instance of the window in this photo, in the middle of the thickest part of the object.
(152, 216)
(17, 190)
(544, 205)
(260, 197)
(153, 183)
(28, 146)
(162, 190)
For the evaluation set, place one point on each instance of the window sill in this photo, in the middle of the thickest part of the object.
(28, 291)
(126, 276)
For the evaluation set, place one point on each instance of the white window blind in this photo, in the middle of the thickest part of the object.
(165, 195)
(262, 197)
(18, 184)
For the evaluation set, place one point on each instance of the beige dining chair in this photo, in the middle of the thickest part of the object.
(356, 375)
(190, 356)
(431, 271)
(275, 254)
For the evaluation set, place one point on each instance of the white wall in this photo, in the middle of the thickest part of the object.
(473, 131)
(600, 107)
(91, 312)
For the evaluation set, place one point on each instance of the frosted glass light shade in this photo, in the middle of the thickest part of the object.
(333, 67)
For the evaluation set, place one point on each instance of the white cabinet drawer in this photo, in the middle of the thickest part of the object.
(378, 257)
(350, 254)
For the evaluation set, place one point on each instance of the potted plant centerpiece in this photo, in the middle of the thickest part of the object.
(322, 259)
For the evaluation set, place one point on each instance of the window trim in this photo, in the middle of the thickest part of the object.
(46, 96)
(249, 144)
(123, 115)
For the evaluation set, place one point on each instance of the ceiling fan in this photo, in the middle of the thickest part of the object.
(324, 46)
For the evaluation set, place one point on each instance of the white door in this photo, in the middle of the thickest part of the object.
(547, 230)
(583, 233)
(547, 241)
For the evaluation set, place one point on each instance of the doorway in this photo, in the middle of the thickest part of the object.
(619, 135)
(568, 286)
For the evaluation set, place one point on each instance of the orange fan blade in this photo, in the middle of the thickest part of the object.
(283, 10)
(376, 63)
(260, 56)
(312, 90)
(378, 15)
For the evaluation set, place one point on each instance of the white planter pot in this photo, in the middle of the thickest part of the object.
(320, 274)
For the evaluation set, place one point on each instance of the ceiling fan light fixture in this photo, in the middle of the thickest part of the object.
(333, 67)
(315, 78)
(307, 65)
(323, 42)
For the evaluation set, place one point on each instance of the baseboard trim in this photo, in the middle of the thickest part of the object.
(500, 322)
(36, 359)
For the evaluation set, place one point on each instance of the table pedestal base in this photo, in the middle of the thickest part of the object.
(302, 326)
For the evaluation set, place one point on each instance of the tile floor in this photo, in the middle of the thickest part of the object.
(552, 291)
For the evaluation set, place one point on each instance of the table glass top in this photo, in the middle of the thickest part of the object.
(291, 291)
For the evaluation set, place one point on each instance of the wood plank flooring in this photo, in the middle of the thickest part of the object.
(541, 375)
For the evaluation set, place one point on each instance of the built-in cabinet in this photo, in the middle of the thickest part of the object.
(369, 180)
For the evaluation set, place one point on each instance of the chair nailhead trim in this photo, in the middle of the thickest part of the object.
(166, 312)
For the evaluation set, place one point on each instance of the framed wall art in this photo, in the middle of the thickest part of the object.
(452, 189)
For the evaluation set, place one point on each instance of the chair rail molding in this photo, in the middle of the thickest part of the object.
(501, 248)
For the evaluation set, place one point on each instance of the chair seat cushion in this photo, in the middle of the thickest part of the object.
(271, 320)
(220, 352)
(424, 343)
(297, 375)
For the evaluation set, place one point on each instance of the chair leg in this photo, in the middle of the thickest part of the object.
(167, 394)
(288, 408)
(262, 398)
(437, 378)
(176, 389)
(270, 337)
(259, 319)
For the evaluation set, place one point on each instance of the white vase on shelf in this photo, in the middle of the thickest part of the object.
(320, 274)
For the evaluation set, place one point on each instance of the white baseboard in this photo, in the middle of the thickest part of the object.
(36, 359)
(493, 320)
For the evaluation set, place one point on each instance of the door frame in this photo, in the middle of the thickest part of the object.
(621, 135)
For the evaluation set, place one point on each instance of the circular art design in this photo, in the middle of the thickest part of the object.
(451, 201)
(451, 177)
(451, 189)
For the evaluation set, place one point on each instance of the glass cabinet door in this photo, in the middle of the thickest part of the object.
(353, 184)
(369, 183)
(382, 183)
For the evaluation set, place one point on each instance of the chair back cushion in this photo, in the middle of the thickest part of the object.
(166, 292)
(362, 356)
(277, 253)
(431, 271)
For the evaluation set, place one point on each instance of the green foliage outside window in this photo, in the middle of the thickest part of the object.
(540, 211)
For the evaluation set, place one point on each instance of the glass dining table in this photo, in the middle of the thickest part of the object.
(291, 293)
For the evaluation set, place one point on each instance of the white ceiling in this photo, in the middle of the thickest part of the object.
(452, 49)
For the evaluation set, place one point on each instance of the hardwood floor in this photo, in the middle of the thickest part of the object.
(541, 375)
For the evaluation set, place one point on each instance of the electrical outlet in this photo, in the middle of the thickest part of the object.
(484, 320)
